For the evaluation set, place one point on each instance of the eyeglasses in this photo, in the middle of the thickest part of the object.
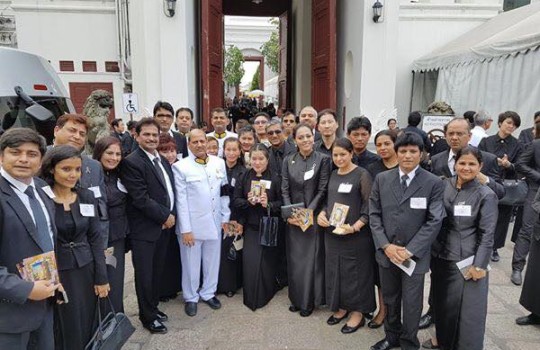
(273, 132)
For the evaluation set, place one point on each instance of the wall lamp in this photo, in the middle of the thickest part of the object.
(169, 7)
(377, 11)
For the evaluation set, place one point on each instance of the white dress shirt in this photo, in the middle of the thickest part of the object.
(478, 133)
(411, 175)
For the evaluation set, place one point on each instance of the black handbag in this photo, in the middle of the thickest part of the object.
(515, 192)
(268, 230)
(112, 332)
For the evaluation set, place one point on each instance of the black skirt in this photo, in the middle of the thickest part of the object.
(459, 307)
(230, 271)
(171, 279)
(350, 270)
(305, 264)
(260, 265)
(530, 294)
(75, 322)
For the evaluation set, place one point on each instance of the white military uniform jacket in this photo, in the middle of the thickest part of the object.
(200, 207)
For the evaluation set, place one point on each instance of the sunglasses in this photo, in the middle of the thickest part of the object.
(273, 132)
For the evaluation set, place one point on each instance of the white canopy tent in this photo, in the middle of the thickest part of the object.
(495, 67)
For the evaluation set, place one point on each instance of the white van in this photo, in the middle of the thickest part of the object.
(31, 93)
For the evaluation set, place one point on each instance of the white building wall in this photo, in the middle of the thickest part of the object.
(428, 25)
(74, 31)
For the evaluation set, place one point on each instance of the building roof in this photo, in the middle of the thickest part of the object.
(507, 34)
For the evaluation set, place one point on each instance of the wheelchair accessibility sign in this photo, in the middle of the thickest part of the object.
(130, 102)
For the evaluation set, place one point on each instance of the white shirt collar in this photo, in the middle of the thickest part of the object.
(451, 154)
(150, 155)
(19, 185)
(411, 175)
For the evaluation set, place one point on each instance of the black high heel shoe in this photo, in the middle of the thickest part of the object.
(348, 330)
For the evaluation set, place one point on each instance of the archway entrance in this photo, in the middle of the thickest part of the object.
(318, 42)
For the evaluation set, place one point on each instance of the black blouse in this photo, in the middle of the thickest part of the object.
(116, 206)
(498, 146)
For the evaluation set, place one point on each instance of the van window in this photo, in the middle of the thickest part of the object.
(12, 114)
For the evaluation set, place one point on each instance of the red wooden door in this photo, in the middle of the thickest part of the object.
(283, 82)
(323, 54)
(79, 92)
(211, 56)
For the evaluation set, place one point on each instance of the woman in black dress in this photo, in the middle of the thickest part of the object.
(507, 149)
(171, 280)
(350, 252)
(108, 152)
(260, 262)
(384, 142)
(247, 138)
(80, 248)
(305, 177)
(460, 297)
(230, 271)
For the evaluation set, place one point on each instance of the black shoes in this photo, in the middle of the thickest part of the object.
(425, 321)
(516, 277)
(372, 324)
(306, 313)
(384, 345)
(332, 320)
(214, 303)
(190, 308)
(162, 317)
(531, 319)
(428, 344)
(229, 294)
(293, 308)
(155, 327)
(495, 256)
(348, 330)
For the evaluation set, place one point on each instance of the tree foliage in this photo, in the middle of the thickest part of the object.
(255, 81)
(270, 49)
(234, 69)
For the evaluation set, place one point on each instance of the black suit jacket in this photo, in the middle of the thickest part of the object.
(490, 168)
(181, 144)
(17, 242)
(392, 220)
(528, 164)
(147, 208)
(85, 245)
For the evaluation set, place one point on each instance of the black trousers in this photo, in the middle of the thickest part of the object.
(38, 339)
(523, 239)
(148, 263)
(503, 221)
(397, 289)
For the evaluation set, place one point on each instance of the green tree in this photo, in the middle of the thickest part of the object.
(234, 69)
(270, 49)
(255, 81)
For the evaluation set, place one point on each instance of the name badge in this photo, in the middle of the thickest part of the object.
(462, 210)
(309, 174)
(121, 186)
(267, 184)
(344, 188)
(96, 190)
(233, 182)
(87, 210)
(48, 191)
(418, 203)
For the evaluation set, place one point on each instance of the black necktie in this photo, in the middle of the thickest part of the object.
(159, 171)
(43, 236)
(404, 179)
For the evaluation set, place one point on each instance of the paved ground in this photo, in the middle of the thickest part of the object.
(236, 327)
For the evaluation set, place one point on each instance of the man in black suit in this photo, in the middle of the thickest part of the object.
(403, 232)
(119, 131)
(526, 136)
(413, 121)
(27, 229)
(164, 116)
(359, 132)
(184, 120)
(308, 115)
(150, 209)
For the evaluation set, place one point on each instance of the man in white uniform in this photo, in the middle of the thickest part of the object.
(220, 120)
(203, 209)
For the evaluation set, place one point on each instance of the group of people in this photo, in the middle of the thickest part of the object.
(358, 230)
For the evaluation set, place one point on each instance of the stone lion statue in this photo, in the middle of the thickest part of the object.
(97, 108)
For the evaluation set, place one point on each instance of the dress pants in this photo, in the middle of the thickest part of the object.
(397, 289)
(39, 339)
(523, 239)
(148, 263)
(208, 253)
